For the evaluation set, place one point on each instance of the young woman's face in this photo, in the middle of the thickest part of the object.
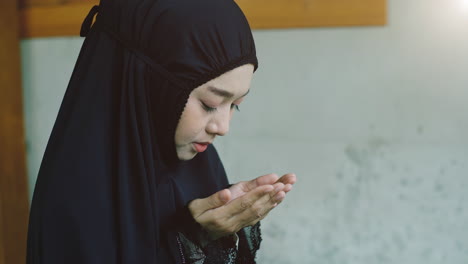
(209, 110)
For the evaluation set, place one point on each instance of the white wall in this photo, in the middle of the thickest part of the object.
(373, 120)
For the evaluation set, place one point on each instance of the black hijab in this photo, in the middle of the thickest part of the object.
(110, 185)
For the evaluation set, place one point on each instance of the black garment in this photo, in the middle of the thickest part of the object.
(110, 188)
(223, 250)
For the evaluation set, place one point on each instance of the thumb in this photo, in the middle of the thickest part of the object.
(218, 199)
(200, 206)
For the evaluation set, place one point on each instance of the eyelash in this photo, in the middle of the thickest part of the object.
(212, 109)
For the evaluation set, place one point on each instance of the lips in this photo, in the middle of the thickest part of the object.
(200, 146)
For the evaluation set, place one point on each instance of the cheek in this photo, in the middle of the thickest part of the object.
(191, 123)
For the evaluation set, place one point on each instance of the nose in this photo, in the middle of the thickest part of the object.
(219, 125)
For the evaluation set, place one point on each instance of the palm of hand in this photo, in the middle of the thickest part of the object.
(239, 189)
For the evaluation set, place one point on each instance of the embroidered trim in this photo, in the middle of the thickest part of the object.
(180, 250)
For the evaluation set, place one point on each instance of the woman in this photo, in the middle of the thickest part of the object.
(129, 174)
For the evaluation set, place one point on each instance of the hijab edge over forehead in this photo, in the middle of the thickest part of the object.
(184, 95)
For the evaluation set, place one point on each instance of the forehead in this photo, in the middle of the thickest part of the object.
(234, 83)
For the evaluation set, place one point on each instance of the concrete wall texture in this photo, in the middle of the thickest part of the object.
(373, 120)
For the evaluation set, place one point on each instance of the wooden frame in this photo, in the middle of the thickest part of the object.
(14, 206)
(44, 18)
(313, 13)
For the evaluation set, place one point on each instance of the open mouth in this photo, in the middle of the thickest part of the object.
(200, 146)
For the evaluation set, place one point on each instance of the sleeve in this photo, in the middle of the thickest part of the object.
(197, 248)
(250, 239)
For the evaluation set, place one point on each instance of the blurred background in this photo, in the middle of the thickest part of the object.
(373, 119)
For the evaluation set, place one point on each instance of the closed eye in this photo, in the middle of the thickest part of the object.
(213, 109)
(208, 108)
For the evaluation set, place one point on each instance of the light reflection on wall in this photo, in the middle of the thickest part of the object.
(464, 5)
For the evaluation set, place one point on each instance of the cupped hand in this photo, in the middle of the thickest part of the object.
(243, 204)
(220, 218)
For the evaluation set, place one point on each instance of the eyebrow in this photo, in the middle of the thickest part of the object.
(223, 93)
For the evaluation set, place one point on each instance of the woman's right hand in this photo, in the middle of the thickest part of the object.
(221, 214)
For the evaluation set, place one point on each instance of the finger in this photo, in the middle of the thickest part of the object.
(279, 197)
(261, 207)
(200, 206)
(264, 214)
(267, 179)
(279, 186)
(259, 181)
(244, 202)
(274, 202)
(259, 218)
(287, 188)
(289, 178)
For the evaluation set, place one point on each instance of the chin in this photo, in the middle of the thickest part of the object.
(186, 155)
